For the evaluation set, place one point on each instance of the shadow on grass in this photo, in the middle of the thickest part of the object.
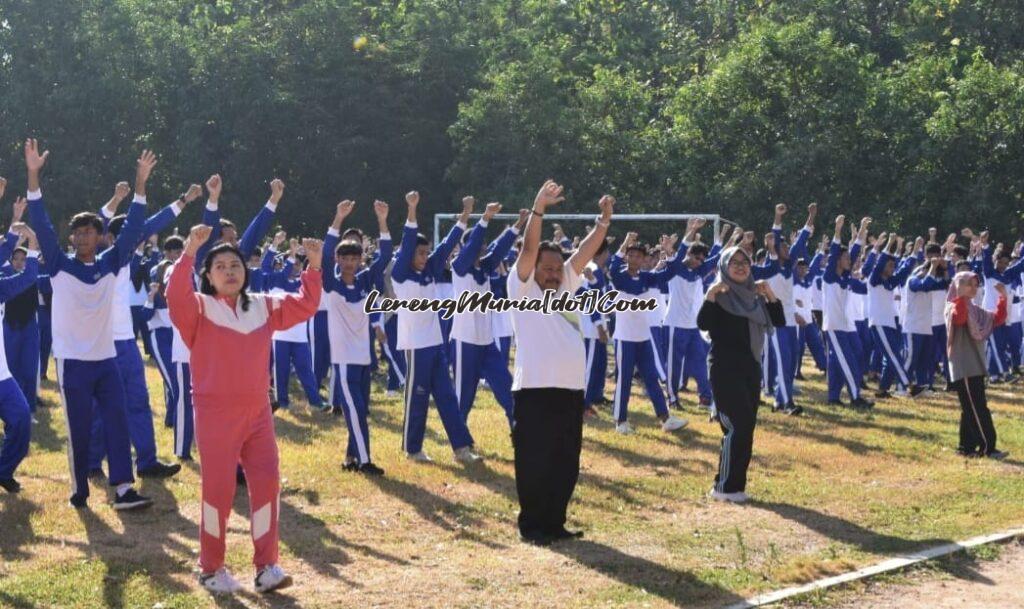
(44, 434)
(681, 588)
(17, 532)
(866, 540)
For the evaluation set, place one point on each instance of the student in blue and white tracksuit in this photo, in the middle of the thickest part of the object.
(223, 231)
(14, 410)
(474, 354)
(917, 325)
(884, 279)
(21, 329)
(346, 294)
(808, 332)
(687, 352)
(161, 333)
(319, 341)
(291, 346)
(997, 269)
(840, 330)
(388, 323)
(782, 345)
(594, 328)
(44, 316)
(501, 321)
(129, 360)
(84, 284)
(415, 274)
(634, 345)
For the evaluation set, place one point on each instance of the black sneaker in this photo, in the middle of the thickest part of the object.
(536, 538)
(350, 466)
(862, 404)
(131, 500)
(160, 470)
(998, 455)
(78, 501)
(882, 395)
(370, 469)
(792, 410)
(10, 485)
(565, 533)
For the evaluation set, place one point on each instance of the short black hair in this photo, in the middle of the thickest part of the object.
(549, 246)
(698, 249)
(421, 239)
(1003, 253)
(225, 223)
(86, 218)
(349, 247)
(19, 250)
(961, 251)
(932, 248)
(637, 247)
(174, 242)
(352, 231)
(116, 224)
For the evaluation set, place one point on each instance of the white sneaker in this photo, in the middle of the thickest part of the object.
(730, 497)
(673, 423)
(420, 457)
(272, 577)
(624, 428)
(219, 582)
(466, 455)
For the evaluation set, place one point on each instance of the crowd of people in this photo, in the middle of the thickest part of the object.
(227, 318)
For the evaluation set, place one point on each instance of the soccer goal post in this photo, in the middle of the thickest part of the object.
(715, 220)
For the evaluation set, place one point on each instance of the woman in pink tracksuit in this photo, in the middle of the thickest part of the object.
(229, 333)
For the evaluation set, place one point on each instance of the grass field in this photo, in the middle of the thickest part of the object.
(835, 489)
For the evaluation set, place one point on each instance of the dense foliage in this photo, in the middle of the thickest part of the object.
(909, 110)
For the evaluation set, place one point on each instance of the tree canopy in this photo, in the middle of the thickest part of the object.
(911, 111)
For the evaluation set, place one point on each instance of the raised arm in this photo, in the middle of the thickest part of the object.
(261, 223)
(402, 268)
(13, 233)
(49, 243)
(211, 218)
(470, 251)
(131, 233)
(592, 242)
(438, 257)
(385, 248)
(550, 194)
(501, 246)
(182, 302)
(17, 283)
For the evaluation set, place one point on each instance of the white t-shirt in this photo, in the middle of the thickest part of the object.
(549, 350)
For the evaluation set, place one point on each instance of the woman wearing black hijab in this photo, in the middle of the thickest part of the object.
(738, 313)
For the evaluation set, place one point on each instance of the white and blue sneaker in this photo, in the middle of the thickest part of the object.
(219, 582)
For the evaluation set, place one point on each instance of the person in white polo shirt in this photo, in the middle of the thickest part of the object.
(549, 375)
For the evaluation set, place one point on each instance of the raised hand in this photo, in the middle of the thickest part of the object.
(780, 209)
(18, 209)
(213, 186)
(279, 238)
(199, 235)
(193, 193)
(121, 191)
(549, 194)
(715, 290)
(143, 168)
(607, 206)
(491, 210)
(33, 160)
(343, 210)
(765, 291)
(380, 209)
(412, 198)
(276, 190)
(524, 215)
(468, 202)
(314, 252)
(293, 247)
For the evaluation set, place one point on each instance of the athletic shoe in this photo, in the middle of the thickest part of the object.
(882, 395)
(624, 428)
(995, 380)
(160, 470)
(861, 403)
(536, 538)
(78, 502)
(350, 466)
(131, 500)
(370, 469)
(673, 423)
(466, 455)
(730, 497)
(998, 455)
(916, 392)
(272, 577)
(219, 582)
(792, 409)
(420, 457)
(275, 406)
(10, 485)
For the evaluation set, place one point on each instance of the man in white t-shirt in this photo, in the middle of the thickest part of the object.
(549, 377)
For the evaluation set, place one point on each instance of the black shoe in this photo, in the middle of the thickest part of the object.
(97, 474)
(882, 395)
(862, 404)
(536, 539)
(792, 410)
(370, 469)
(275, 406)
(998, 455)
(350, 466)
(916, 391)
(565, 533)
(10, 485)
(160, 470)
(131, 500)
(78, 501)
